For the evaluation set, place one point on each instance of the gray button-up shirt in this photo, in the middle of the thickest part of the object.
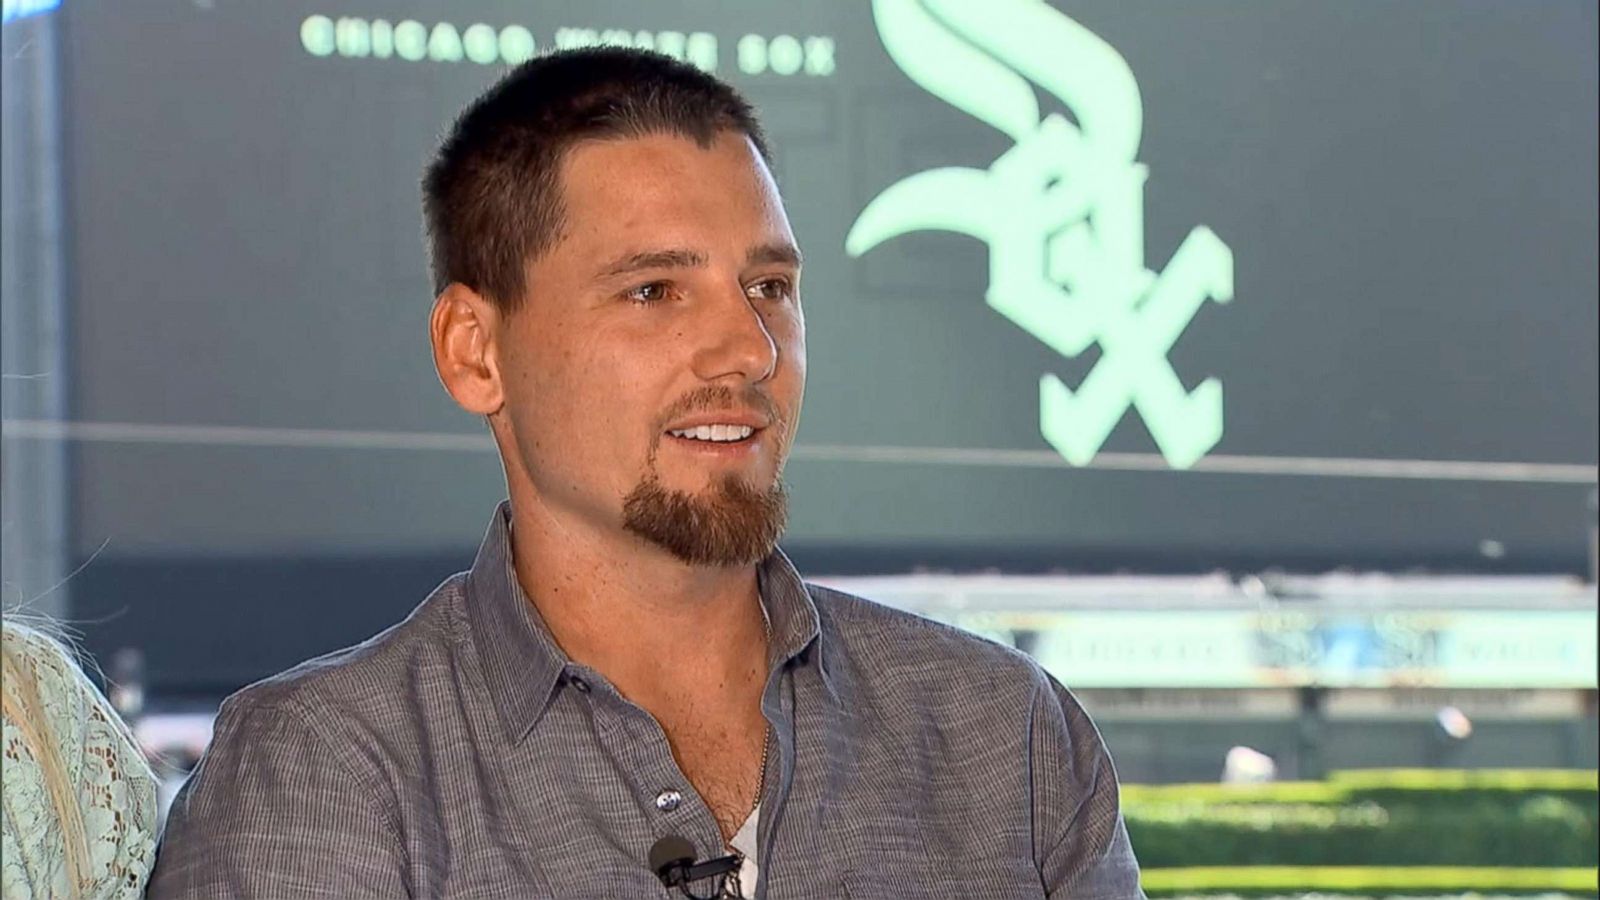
(462, 754)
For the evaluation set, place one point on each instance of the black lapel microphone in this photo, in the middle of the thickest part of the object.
(672, 859)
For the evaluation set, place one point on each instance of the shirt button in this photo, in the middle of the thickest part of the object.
(580, 685)
(667, 801)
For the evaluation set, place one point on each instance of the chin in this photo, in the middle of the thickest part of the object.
(731, 524)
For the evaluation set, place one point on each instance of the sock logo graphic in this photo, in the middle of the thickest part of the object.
(1062, 213)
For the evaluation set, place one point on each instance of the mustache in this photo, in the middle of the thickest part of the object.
(716, 397)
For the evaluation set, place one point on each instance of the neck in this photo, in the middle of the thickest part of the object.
(653, 625)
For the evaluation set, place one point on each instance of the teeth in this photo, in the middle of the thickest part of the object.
(716, 433)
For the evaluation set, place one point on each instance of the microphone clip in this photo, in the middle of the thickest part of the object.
(672, 860)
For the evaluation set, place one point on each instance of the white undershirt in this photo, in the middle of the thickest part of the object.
(744, 841)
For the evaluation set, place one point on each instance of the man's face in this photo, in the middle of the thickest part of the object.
(653, 376)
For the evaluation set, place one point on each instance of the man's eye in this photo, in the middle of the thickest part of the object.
(771, 289)
(646, 294)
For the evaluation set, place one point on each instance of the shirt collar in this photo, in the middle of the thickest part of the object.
(522, 663)
(797, 632)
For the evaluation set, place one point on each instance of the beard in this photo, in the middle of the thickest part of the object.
(730, 524)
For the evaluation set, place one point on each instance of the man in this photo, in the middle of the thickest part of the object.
(630, 659)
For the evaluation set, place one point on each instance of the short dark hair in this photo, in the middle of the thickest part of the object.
(492, 193)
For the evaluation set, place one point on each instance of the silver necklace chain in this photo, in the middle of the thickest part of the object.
(766, 730)
(731, 888)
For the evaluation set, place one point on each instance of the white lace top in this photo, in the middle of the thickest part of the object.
(116, 791)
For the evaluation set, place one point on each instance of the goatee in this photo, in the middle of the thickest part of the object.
(730, 524)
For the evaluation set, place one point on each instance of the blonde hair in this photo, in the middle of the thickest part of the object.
(20, 651)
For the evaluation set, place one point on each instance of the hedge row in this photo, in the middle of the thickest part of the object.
(1368, 880)
(1390, 819)
(1414, 786)
(1539, 831)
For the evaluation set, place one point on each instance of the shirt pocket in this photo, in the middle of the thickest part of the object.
(895, 877)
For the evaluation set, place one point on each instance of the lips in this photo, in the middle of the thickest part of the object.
(717, 432)
(715, 417)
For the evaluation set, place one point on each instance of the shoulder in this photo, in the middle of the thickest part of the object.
(44, 664)
(899, 637)
(893, 651)
(43, 721)
(953, 721)
(60, 728)
(46, 686)
(357, 686)
(368, 673)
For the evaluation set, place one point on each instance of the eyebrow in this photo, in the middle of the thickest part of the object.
(766, 254)
(786, 254)
(655, 259)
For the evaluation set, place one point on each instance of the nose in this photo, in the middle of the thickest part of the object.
(737, 342)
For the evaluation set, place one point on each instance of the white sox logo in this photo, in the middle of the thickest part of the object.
(1062, 212)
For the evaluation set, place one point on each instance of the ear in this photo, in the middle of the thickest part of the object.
(462, 329)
